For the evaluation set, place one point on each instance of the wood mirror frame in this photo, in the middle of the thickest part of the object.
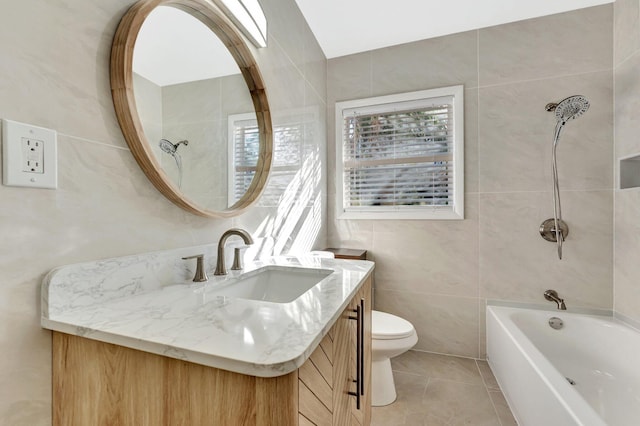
(121, 76)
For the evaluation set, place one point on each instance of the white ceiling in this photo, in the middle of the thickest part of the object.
(174, 47)
(343, 27)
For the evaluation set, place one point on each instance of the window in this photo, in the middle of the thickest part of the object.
(244, 141)
(288, 137)
(401, 156)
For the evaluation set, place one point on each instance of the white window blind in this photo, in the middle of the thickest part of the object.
(287, 156)
(400, 156)
(245, 148)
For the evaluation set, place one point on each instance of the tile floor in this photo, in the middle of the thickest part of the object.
(443, 390)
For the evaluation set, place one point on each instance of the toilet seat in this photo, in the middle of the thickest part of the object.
(385, 326)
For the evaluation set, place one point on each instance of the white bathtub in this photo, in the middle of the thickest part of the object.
(532, 362)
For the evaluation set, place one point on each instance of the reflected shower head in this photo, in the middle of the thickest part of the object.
(169, 147)
(571, 108)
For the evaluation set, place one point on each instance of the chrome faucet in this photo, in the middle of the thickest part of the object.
(221, 268)
(552, 296)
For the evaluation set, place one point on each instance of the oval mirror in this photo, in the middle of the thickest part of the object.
(191, 104)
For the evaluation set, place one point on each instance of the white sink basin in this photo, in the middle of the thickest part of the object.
(278, 284)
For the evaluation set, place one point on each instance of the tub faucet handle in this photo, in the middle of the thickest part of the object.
(201, 274)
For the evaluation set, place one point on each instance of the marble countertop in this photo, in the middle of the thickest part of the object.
(148, 302)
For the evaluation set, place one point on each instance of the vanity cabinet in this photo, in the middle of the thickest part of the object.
(98, 383)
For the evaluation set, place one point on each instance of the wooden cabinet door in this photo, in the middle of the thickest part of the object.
(316, 386)
(342, 382)
(368, 307)
(362, 416)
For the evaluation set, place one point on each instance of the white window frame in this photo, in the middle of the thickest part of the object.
(387, 104)
(232, 119)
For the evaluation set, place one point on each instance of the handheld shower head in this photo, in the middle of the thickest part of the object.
(571, 108)
(567, 109)
(169, 147)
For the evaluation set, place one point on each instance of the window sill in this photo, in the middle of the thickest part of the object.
(402, 215)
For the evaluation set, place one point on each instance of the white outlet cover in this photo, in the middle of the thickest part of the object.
(14, 172)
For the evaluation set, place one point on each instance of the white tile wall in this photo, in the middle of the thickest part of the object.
(627, 127)
(439, 274)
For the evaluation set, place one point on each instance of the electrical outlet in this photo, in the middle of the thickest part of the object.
(32, 155)
(29, 156)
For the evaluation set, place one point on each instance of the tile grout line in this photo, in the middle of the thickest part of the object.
(429, 294)
(301, 72)
(431, 378)
(94, 142)
(443, 354)
(532, 80)
(495, 410)
(426, 386)
(409, 373)
(544, 191)
(478, 144)
(457, 381)
(616, 165)
(627, 59)
(488, 392)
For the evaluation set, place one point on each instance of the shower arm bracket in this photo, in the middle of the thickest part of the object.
(548, 230)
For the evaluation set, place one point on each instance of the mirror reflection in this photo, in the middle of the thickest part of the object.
(195, 108)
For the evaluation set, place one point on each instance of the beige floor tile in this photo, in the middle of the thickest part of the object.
(454, 403)
(439, 390)
(410, 389)
(422, 419)
(388, 416)
(436, 366)
(502, 409)
(487, 375)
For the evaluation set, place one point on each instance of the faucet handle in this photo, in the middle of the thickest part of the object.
(237, 259)
(201, 274)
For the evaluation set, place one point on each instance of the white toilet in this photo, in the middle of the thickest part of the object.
(390, 336)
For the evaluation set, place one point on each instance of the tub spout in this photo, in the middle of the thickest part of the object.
(552, 296)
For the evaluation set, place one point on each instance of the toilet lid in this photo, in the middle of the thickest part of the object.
(385, 326)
